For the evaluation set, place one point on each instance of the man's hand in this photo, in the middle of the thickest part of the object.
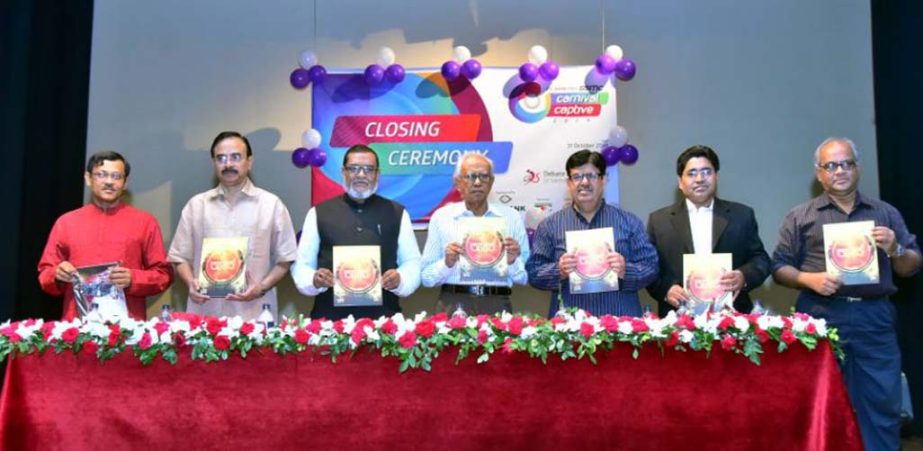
(617, 264)
(676, 294)
(820, 282)
(885, 239)
(391, 279)
(323, 278)
(120, 277)
(452, 252)
(196, 294)
(732, 281)
(253, 291)
(512, 250)
(65, 272)
(566, 265)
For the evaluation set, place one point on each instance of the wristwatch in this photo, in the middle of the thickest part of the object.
(898, 252)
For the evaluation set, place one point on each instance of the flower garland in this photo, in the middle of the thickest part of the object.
(417, 341)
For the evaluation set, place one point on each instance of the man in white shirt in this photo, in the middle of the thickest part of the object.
(701, 223)
(474, 178)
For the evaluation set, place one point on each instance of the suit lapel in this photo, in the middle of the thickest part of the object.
(679, 217)
(719, 222)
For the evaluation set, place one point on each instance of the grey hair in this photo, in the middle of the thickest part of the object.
(848, 142)
(468, 156)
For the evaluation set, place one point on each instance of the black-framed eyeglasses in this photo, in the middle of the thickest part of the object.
(103, 175)
(831, 166)
(354, 169)
(589, 176)
(233, 158)
(475, 177)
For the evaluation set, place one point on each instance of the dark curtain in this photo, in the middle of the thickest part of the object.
(45, 49)
(897, 43)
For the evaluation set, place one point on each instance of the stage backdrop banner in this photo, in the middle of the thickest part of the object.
(421, 126)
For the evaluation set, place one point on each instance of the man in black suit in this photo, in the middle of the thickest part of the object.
(702, 223)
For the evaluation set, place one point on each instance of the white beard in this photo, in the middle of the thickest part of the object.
(363, 195)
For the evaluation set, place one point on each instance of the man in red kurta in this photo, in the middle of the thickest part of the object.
(102, 231)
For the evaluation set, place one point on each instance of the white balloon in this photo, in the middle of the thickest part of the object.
(386, 56)
(618, 137)
(615, 52)
(307, 59)
(311, 139)
(538, 55)
(461, 54)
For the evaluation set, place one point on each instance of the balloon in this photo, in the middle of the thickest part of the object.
(317, 73)
(611, 155)
(528, 72)
(385, 56)
(461, 54)
(301, 157)
(618, 137)
(307, 59)
(374, 74)
(395, 73)
(628, 154)
(549, 70)
(615, 52)
(471, 69)
(538, 55)
(317, 157)
(625, 69)
(298, 237)
(311, 138)
(451, 70)
(605, 64)
(299, 78)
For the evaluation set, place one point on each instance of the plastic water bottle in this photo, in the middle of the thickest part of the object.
(646, 311)
(266, 318)
(459, 311)
(683, 307)
(758, 308)
(166, 314)
(93, 315)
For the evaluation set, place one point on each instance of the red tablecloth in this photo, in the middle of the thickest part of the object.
(795, 400)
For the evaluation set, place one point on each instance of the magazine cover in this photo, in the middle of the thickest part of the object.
(851, 253)
(223, 269)
(592, 248)
(702, 281)
(357, 276)
(483, 254)
(92, 285)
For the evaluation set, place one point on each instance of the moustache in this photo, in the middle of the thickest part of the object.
(229, 171)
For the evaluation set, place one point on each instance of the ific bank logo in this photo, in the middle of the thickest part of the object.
(530, 105)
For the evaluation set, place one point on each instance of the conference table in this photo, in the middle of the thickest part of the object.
(669, 400)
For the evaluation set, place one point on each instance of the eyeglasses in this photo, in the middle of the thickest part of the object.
(830, 166)
(103, 175)
(354, 169)
(233, 158)
(475, 177)
(590, 177)
(704, 172)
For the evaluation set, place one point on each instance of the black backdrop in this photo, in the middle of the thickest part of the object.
(45, 90)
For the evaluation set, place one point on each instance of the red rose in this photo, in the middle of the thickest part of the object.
(15, 338)
(586, 329)
(686, 322)
(29, 322)
(338, 326)
(728, 342)
(70, 335)
(786, 322)
(408, 340)
(247, 328)
(161, 327)
(726, 323)
(535, 322)
(440, 317)
(357, 335)
(788, 337)
(609, 323)
(557, 320)
(179, 339)
(89, 347)
(761, 335)
(314, 326)
(114, 338)
(389, 327)
(194, 322)
(801, 315)
(507, 345)
(482, 336)
(214, 325)
(498, 323)
(426, 328)
(515, 325)
(457, 322)
(301, 336)
(638, 325)
(362, 322)
(672, 340)
(482, 319)
(46, 330)
(222, 342)
(811, 329)
(146, 341)
(6, 331)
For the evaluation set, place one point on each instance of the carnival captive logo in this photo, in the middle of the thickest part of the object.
(529, 104)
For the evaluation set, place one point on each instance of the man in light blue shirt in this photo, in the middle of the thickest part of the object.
(474, 177)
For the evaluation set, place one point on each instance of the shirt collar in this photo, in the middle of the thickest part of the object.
(249, 189)
(824, 201)
(706, 209)
(461, 210)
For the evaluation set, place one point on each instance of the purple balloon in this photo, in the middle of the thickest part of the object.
(395, 73)
(528, 72)
(625, 69)
(605, 64)
(374, 74)
(451, 70)
(318, 157)
(628, 154)
(471, 69)
(298, 237)
(301, 157)
(549, 70)
(611, 155)
(299, 78)
(317, 73)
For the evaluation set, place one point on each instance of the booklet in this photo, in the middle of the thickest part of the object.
(223, 268)
(483, 259)
(592, 248)
(357, 276)
(702, 281)
(851, 253)
(92, 285)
